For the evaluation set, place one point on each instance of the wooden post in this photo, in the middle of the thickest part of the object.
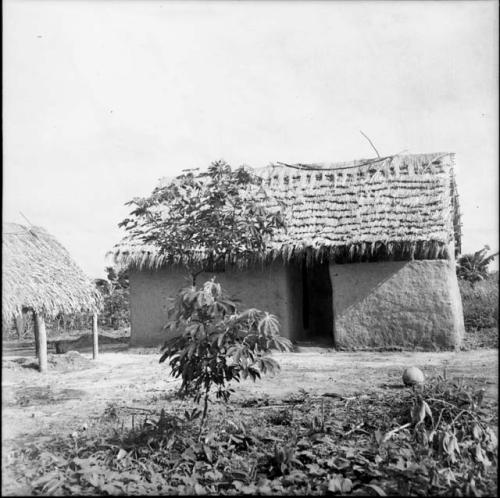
(19, 326)
(95, 337)
(35, 329)
(41, 342)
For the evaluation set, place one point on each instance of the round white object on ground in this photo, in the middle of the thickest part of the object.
(413, 376)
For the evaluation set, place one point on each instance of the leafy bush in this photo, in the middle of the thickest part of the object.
(204, 221)
(480, 303)
(115, 292)
(215, 344)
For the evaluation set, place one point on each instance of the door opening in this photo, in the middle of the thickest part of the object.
(305, 299)
(317, 304)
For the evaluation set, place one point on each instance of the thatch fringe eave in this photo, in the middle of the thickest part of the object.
(396, 207)
(39, 274)
(352, 253)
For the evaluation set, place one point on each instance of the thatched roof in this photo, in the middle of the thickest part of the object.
(38, 273)
(398, 207)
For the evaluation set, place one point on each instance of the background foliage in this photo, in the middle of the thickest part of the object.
(115, 291)
(473, 268)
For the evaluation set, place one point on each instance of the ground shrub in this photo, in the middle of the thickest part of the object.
(480, 303)
(480, 339)
(436, 440)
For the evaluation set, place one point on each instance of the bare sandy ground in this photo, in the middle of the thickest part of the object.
(134, 378)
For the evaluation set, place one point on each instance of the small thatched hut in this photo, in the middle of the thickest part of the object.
(38, 274)
(367, 259)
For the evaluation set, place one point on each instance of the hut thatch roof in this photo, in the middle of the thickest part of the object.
(397, 207)
(38, 273)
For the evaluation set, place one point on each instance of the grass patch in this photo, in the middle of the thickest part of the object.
(436, 441)
(480, 306)
(480, 303)
(480, 339)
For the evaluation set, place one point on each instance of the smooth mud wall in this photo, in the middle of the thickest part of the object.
(149, 301)
(269, 288)
(413, 304)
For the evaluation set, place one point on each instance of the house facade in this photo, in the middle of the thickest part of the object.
(366, 260)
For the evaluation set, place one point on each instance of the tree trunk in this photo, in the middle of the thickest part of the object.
(195, 274)
(41, 342)
(95, 337)
(19, 325)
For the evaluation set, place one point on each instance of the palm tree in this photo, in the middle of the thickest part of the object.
(474, 267)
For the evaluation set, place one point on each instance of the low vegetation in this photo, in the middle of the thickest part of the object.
(437, 440)
(479, 291)
(480, 303)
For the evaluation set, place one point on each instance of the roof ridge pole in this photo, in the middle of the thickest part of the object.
(41, 341)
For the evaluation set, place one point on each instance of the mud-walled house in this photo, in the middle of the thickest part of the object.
(366, 260)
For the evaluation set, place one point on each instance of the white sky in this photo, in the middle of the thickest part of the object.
(103, 98)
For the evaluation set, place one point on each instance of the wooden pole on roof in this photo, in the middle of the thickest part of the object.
(371, 143)
(95, 337)
(41, 342)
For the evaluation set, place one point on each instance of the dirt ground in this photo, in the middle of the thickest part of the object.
(64, 399)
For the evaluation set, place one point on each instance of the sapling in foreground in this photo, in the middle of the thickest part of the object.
(214, 343)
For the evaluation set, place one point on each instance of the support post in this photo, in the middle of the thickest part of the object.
(41, 342)
(95, 337)
(19, 326)
(35, 330)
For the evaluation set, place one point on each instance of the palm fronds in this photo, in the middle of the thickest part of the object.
(474, 267)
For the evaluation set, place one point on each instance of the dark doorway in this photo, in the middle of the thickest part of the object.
(317, 304)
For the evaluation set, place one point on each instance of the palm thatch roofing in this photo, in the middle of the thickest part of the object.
(398, 207)
(39, 274)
